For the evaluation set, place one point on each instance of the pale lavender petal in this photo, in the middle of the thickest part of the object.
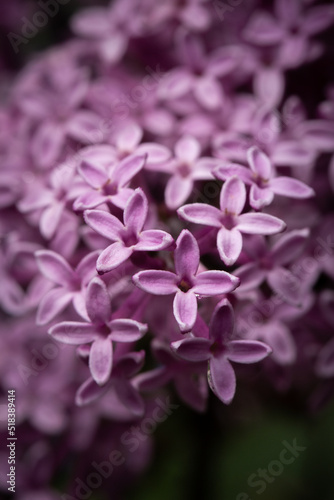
(286, 285)
(293, 188)
(289, 246)
(227, 170)
(175, 84)
(53, 303)
(153, 379)
(74, 333)
(46, 144)
(263, 29)
(113, 256)
(130, 397)
(229, 245)
(104, 223)
(221, 379)
(90, 199)
(317, 19)
(153, 240)
(185, 310)
(98, 302)
(86, 269)
(209, 93)
(91, 22)
(79, 304)
(192, 349)
(201, 213)
(292, 153)
(85, 126)
(250, 275)
(100, 360)
(280, 340)
(247, 351)
(178, 190)
(187, 149)
(121, 198)
(114, 47)
(54, 267)
(50, 219)
(269, 85)
(233, 196)
(94, 174)
(88, 392)
(325, 362)
(211, 283)
(156, 282)
(260, 224)
(128, 168)
(260, 197)
(156, 153)
(126, 330)
(222, 323)
(186, 255)
(128, 138)
(135, 212)
(259, 162)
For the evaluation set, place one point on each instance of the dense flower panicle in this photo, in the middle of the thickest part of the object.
(166, 213)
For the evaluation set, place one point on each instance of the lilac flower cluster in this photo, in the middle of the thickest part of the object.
(166, 207)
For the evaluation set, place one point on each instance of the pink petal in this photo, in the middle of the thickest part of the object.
(88, 392)
(289, 246)
(227, 170)
(128, 138)
(187, 149)
(233, 196)
(153, 240)
(260, 197)
(104, 223)
(113, 256)
(186, 255)
(229, 245)
(317, 19)
(92, 22)
(128, 168)
(156, 282)
(53, 303)
(192, 349)
(135, 212)
(175, 83)
(185, 310)
(126, 330)
(222, 322)
(55, 267)
(50, 219)
(100, 360)
(263, 29)
(98, 302)
(293, 188)
(260, 224)
(269, 85)
(86, 127)
(201, 213)
(250, 276)
(209, 93)
(211, 283)
(280, 340)
(285, 285)
(259, 163)
(130, 398)
(73, 333)
(247, 351)
(156, 153)
(221, 379)
(86, 269)
(178, 190)
(88, 200)
(95, 175)
(46, 144)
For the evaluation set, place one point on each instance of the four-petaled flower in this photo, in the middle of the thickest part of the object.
(128, 237)
(101, 331)
(229, 221)
(185, 283)
(261, 178)
(219, 349)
